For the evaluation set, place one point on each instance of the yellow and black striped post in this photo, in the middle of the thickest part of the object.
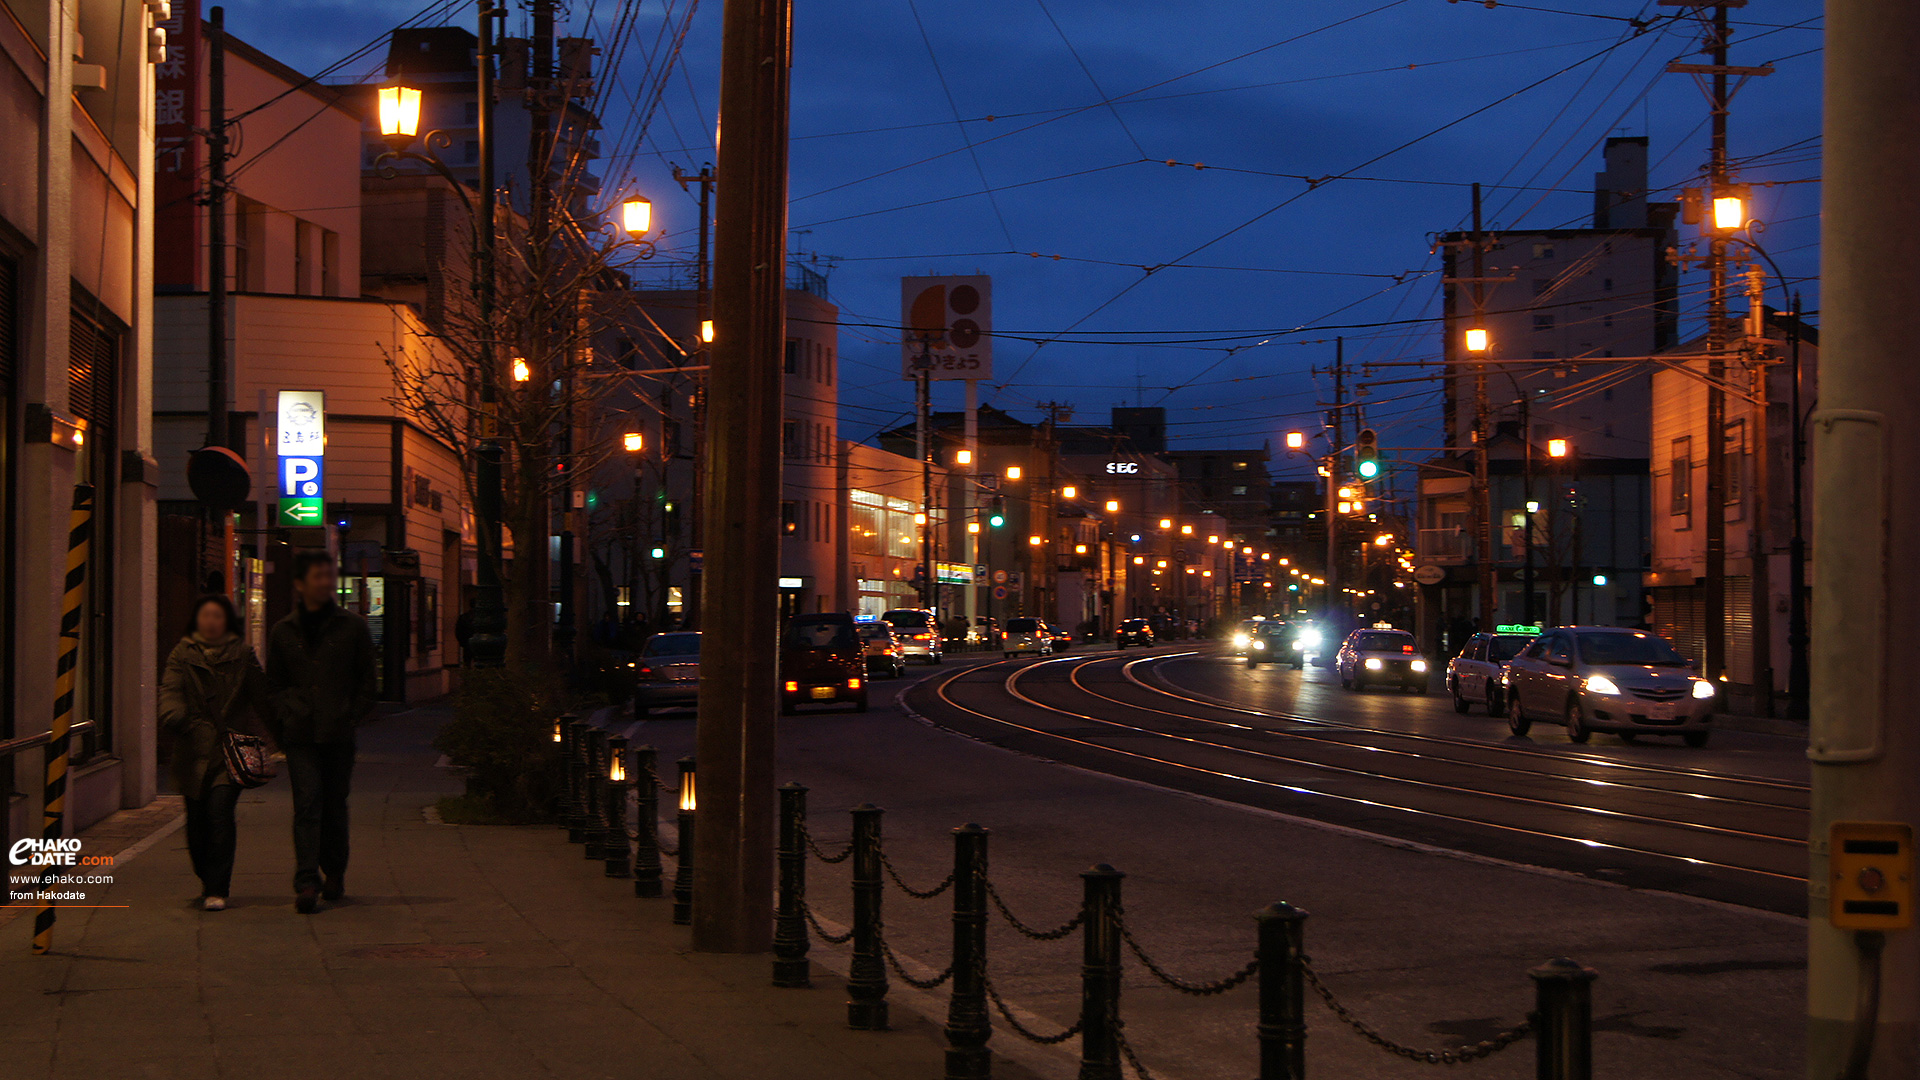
(54, 821)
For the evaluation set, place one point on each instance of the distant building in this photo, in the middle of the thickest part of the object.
(1759, 504)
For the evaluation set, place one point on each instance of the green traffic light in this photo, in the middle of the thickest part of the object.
(996, 521)
(1369, 470)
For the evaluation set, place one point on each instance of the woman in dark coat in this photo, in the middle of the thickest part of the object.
(212, 684)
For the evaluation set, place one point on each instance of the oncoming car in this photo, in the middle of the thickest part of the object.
(1478, 674)
(1242, 639)
(1271, 642)
(1605, 678)
(1370, 657)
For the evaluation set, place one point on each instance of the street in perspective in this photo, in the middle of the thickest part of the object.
(1064, 541)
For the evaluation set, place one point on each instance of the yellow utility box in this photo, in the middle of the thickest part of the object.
(1870, 868)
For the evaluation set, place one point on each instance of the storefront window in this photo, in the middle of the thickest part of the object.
(93, 373)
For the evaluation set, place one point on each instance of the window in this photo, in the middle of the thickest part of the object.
(829, 377)
(471, 112)
(790, 437)
(793, 356)
(471, 151)
(1543, 251)
(1606, 284)
(303, 245)
(1680, 477)
(1239, 489)
(329, 263)
(1239, 466)
(1542, 322)
(429, 616)
(1736, 463)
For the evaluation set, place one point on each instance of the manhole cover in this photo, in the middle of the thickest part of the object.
(417, 952)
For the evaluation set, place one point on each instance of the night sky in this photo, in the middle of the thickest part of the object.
(1256, 270)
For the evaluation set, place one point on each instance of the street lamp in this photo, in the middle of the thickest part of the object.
(1113, 506)
(963, 457)
(1730, 208)
(633, 442)
(399, 116)
(1296, 440)
(1477, 341)
(1069, 492)
(636, 216)
(1166, 523)
(1558, 448)
(521, 372)
(1013, 472)
(1186, 530)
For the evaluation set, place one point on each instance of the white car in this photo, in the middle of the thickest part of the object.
(918, 631)
(1026, 636)
(1373, 657)
(1478, 674)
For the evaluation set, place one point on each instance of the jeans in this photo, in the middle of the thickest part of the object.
(321, 775)
(211, 837)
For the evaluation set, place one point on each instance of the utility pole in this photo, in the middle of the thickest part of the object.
(703, 316)
(487, 646)
(923, 446)
(1863, 984)
(1797, 674)
(1336, 425)
(217, 391)
(733, 875)
(1715, 610)
(1482, 485)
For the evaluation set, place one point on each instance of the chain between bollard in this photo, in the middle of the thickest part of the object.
(813, 846)
(918, 894)
(814, 921)
(918, 984)
(1056, 934)
(1126, 1051)
(1022, 1030)
(1452, 1056)
(1218, 986)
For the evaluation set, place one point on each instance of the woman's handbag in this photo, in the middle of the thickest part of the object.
(249, 761)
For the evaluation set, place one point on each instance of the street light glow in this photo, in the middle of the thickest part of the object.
(963, 457)
(636, 216)
(1069, 492)
(1296, 440)
(1558, 448)
(521, 372)
(706, 331)
(1013, 472)
(633, 441)
(1186, 530)
(1166, 523)
(1477, 340)
(1729, 212)
(1113, 506)
(399, 114)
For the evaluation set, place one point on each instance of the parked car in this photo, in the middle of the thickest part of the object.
(667, 672)
(1026, 636)
(1381, 655)
(1478, 674)
(1062, 640)
(1133, 632)
(822, 661)
(883, 649)
(1606, 678)
(918, 632)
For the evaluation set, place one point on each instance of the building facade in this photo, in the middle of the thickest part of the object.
(76, 325)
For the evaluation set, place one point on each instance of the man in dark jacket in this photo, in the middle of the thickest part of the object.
(320, 671)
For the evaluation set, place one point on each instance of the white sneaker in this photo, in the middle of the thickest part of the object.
(214, 903)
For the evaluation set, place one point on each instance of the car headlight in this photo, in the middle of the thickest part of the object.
(1419, 665)
(1373, 664)
(1702, 689)
(1259, 644)
(1309, 638)
(1298, 642)
(1600, 684)
(1239, 641)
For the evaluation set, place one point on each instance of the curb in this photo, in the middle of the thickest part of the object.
(1760, 725)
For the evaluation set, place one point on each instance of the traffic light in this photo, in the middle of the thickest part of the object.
(1366, 454)
(998, 516)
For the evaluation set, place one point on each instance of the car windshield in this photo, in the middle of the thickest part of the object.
(1603, 649)
(1505, 647)
(673, 645)
(1382, 642)
(1134, 624)
(1022, 626)
(809, 634)
(910, 620)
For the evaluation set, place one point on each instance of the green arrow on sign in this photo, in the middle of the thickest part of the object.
(300, 511)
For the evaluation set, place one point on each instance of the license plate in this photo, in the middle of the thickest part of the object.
(1660, 710)
(823, 693)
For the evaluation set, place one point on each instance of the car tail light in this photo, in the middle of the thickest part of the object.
(792, 687)
(924, 637)
(645, 672)
(1406, 648)
(853, 684)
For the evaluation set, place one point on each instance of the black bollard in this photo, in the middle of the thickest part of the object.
(595, 847)
(577, 783)
(790, 940)
(1563, 1020)
(867, 972)
(617, 848)
(646, 848)
(1283, 992)
(1100, 975)
(968, 1024)
(683, 875)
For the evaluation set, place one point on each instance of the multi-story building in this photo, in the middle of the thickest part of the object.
(76, 302)
(1572, 319)
(1760, 463)
(394, 493)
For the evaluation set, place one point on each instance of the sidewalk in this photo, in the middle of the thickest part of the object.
(463, 952)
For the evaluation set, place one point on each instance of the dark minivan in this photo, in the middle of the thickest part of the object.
(822, 661)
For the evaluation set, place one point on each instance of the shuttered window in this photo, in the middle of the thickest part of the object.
(9, 363)
(93, 378)
(92, 371)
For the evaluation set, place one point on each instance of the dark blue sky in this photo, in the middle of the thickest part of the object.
(1089, 100)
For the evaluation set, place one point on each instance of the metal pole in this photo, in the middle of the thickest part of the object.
(595, 846)
(1797, 547)
(1100, 975)
(576, 809)
(1563, 1020)
(1339, 442)
(1283, 992)
(968, 1024)
(739, 594)
(790, 940)
(646, 848)
(929, 586)
(567, 794)
(867, 971)
(487, 645)
(217, 404)
(1482, 483)
(1865, 633)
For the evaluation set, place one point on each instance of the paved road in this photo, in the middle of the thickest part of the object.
(1432, 948)
(1726, 822)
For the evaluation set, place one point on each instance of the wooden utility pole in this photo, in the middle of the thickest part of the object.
(733, 864)
(1714, 612)
(1482, 485)
(487, 647)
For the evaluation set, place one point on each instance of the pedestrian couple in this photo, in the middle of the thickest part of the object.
(316, 687)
